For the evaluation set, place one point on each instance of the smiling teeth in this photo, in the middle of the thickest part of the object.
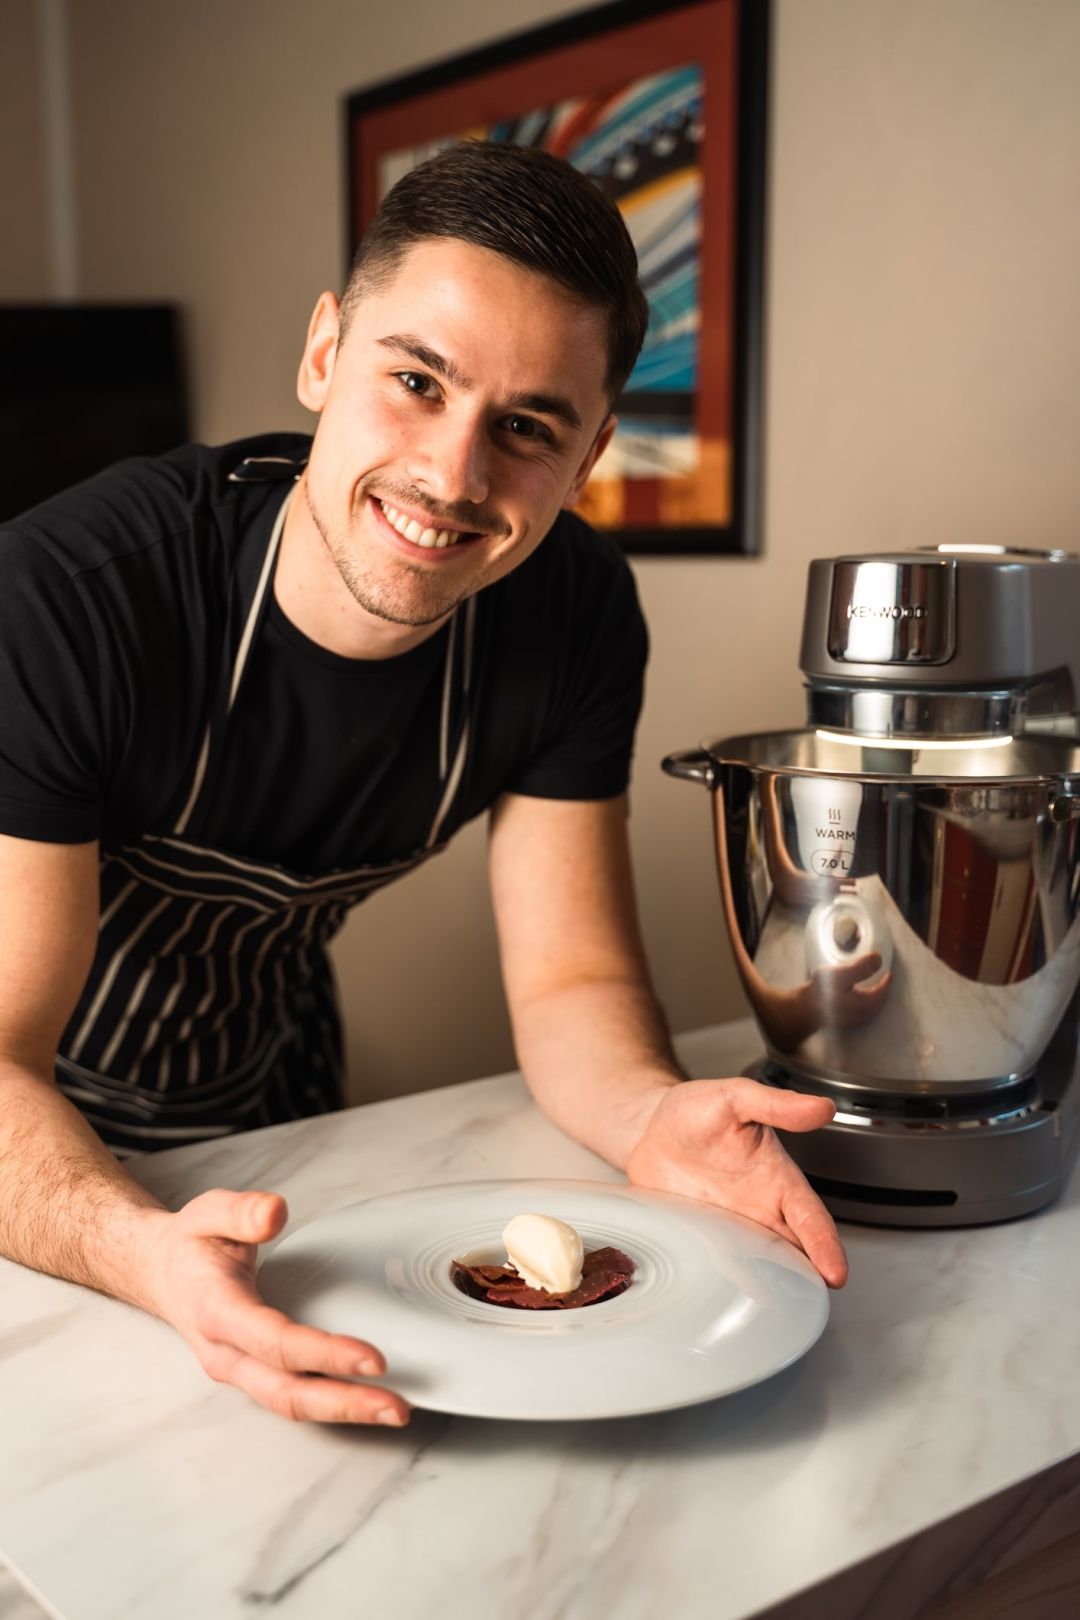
(411, 530)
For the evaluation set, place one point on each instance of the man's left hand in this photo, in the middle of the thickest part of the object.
(713, 1140)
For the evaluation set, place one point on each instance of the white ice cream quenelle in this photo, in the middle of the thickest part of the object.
(545, 1253)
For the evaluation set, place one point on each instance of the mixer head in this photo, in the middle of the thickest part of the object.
(953, 642)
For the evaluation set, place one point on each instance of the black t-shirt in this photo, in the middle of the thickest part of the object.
(120, 599)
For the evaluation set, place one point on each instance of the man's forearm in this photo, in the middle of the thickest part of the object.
(597, 1057)
(67, 1207)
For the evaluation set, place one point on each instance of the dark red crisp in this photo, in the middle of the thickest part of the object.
(604, 1273)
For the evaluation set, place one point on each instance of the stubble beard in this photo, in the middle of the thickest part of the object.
(428, 603)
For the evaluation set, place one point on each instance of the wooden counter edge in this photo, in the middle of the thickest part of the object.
(1014, 1556)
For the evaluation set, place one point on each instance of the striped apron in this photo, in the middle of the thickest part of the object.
(211, 1006)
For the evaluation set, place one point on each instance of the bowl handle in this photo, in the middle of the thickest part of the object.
(694, 766)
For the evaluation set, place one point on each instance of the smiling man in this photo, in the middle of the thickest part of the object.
(434, 473)
(246, 686)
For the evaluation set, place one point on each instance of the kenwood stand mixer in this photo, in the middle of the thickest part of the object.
(901, 881)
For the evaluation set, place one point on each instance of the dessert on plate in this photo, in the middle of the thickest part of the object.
(547, 1268)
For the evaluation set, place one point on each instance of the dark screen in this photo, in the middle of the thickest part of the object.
(82, 386)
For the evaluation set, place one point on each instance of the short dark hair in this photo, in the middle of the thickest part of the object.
(531, 207)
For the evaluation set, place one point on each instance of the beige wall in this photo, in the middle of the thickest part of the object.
(923, 351)
(24, 246)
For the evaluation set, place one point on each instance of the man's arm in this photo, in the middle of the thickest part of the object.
(592, 1040)
(68, 1207)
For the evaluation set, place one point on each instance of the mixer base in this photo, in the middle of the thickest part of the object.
(885, 1166)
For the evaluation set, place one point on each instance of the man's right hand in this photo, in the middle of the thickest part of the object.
(67, 1207)
(202, 1281)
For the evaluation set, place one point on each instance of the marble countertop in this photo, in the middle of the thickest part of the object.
(133, 1487)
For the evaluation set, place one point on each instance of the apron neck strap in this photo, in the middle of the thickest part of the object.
(251, 624)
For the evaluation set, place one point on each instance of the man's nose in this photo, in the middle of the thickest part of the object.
(452, 461)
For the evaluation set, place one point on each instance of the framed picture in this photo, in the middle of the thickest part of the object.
(663, 104)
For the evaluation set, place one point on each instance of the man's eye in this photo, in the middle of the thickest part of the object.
(527, 427)
(417, 382)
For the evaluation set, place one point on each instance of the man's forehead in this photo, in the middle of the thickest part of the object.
(454, 308)
(449, 261)
(441, 255)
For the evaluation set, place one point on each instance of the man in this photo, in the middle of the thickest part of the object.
(246, 686)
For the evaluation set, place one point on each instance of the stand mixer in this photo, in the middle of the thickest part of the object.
(901, 881)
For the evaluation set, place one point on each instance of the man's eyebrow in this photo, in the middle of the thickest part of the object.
(405, 343)
(554, 405)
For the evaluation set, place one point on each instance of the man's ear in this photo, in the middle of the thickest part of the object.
(320, 350)
(596, 450)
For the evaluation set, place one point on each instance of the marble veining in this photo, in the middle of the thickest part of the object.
(32, 1335)
(134, 1489)
(16, 1602)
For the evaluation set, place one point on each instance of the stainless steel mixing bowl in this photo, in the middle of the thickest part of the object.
(904, 919)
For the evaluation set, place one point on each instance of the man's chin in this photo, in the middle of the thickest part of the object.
(417, 620)
(388, 607)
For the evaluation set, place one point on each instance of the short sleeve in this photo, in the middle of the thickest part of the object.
(587, 746)
(50, 742)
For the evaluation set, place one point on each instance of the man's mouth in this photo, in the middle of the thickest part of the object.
(419, 534)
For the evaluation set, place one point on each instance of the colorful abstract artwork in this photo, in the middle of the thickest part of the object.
(652, 103)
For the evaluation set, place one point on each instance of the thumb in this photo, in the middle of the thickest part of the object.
(782, 1109)
(805, 1113)
(245, 1217)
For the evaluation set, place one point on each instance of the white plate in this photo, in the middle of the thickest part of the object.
(717, 1302)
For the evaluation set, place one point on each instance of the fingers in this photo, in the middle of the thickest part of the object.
(864, 967)
(815, 1231)
(843, 998)
(841, 976)
(271, 1337)
(875, 991)
(303, 1398)
(801, 1218)
(294, 1369)
(862, 1005)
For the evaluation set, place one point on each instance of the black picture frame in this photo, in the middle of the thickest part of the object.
(718, 502)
